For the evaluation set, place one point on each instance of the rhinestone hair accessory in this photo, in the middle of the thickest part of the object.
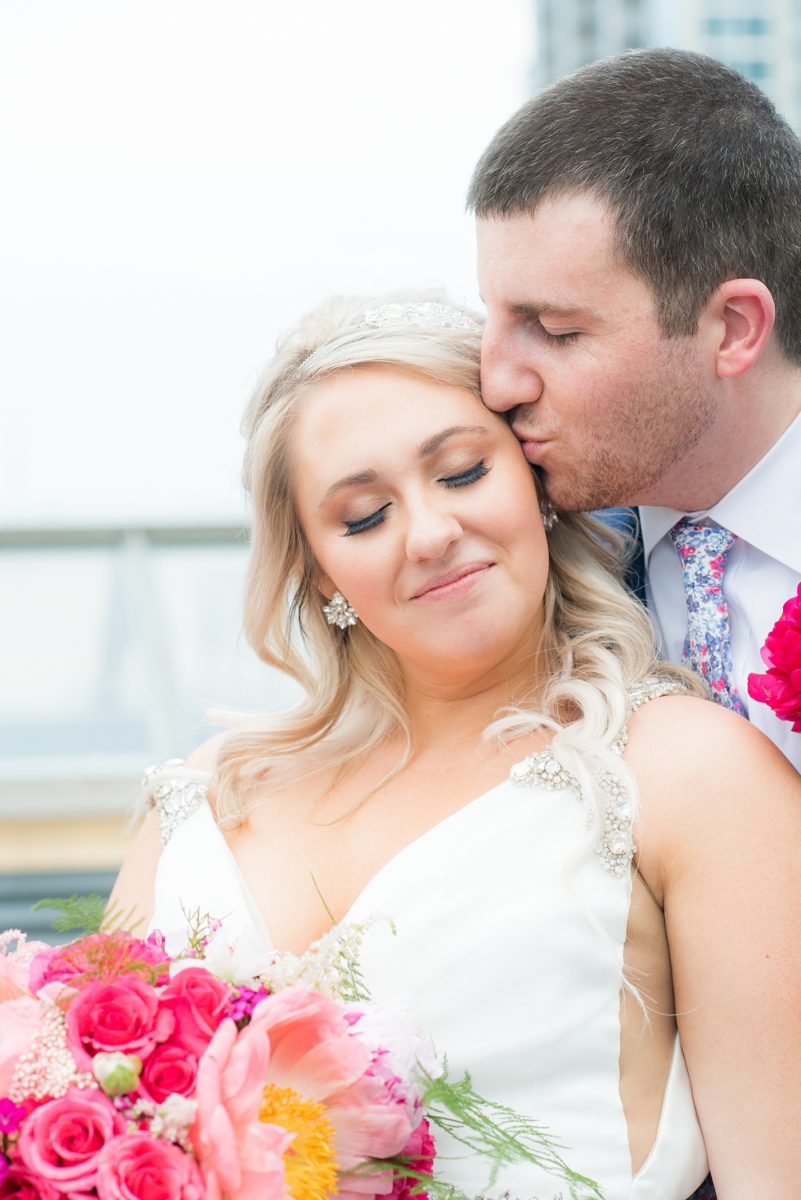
(431, 313)
(339, 612)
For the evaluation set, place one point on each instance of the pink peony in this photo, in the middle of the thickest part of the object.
(125, 1015)
(20, 1021)
(62, 1139)
(780, 686)
(296, 1066)
(15, 966)
(140, 1167)
(199, 1001)
(22, 1184)
(97, 958)
(169, 1069)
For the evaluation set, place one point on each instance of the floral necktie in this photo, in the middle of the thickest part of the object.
(702, 550)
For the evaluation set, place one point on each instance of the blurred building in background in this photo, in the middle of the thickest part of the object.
(113, 642)
(759, 38)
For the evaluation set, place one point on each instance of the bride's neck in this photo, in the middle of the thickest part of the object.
(447, 710)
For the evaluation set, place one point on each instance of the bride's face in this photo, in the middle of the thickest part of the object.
(420, 508)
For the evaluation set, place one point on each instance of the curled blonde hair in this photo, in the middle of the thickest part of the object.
(596, 641)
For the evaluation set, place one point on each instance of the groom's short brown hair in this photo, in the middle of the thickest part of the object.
(701, 173)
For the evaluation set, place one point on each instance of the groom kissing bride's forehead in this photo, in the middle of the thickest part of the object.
(639, 254)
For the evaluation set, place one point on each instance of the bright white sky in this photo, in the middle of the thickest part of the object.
(180, 180)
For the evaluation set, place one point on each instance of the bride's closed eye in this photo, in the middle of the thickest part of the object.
(461, 479)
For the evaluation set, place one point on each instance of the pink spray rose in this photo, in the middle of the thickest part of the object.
(780, 686)
(125, 1015)
(199, 1002)
(169, 1069)
(97, 958)
(139, 1167)
(62, 1139)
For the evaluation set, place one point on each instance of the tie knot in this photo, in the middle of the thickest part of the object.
(697, 544)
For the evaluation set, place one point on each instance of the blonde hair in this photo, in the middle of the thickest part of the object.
(596, 642)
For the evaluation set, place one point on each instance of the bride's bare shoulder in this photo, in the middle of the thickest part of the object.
(706, 775)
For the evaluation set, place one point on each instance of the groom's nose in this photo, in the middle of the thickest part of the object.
(506, 383)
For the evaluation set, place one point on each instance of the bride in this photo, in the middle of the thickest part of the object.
(592, 873)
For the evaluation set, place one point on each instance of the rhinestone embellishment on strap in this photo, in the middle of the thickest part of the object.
(616, 844)
(542, 769)
(616, 847)
(174, 799)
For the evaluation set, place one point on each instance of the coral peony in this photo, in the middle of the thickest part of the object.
(125, 1015)
(780, 686)
(139, 1167)
(296, 1069)
(61, 1140)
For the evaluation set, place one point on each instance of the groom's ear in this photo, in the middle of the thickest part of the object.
(740, 315)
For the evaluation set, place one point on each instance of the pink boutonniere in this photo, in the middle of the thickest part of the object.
(780, 686)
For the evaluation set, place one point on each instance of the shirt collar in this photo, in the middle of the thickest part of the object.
(764, 508)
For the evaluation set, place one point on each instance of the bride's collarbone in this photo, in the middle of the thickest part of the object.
(310, 847)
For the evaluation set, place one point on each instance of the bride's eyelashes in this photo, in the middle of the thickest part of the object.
(477, 471)
(462, 479)
(364, 523)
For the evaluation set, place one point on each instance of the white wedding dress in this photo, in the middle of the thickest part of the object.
(508, 950)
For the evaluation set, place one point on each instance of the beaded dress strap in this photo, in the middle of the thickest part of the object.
(174, 796)
(616, 844)
(648, 689)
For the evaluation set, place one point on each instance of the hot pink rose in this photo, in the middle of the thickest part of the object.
(139, 1167)
(21, 1184)
(61, 1140)
(780, 686)
(20, 1021)
(420, 1150)
(124, 1015)
(169, 1069)
(97, 958)
(199, 1001)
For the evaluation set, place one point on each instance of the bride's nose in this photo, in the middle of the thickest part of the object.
(430, 532)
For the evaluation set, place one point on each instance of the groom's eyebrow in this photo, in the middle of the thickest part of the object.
(548, 309)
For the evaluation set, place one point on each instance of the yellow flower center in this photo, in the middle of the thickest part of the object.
(309, 1164)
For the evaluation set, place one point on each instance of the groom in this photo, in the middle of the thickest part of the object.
(639, 251)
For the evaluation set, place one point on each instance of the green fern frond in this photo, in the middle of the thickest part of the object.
(498, 1134)
(83, 913)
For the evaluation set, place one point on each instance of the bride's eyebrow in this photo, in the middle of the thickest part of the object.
(425, 450)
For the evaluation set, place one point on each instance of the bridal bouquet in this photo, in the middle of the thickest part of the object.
(126, 1074)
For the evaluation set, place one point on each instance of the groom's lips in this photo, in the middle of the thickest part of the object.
(532, 447)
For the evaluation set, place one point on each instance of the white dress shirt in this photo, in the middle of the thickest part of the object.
(763, 570)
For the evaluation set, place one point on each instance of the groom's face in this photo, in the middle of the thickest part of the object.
(603, 404)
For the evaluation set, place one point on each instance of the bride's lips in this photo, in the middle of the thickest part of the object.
(453, 583)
